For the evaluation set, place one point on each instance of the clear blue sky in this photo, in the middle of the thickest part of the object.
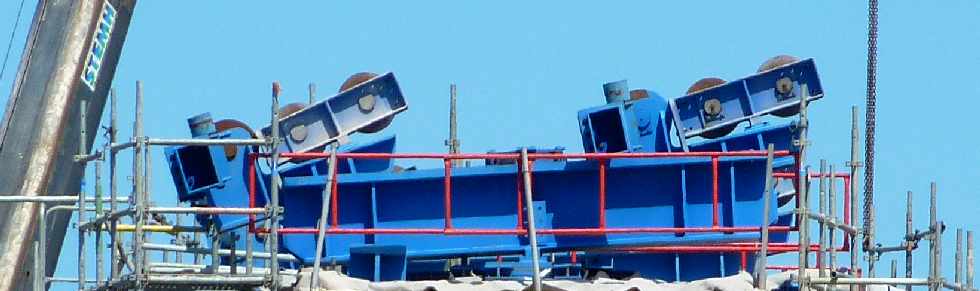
(524, 68)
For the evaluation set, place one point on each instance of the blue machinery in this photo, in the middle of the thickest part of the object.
(647, 178)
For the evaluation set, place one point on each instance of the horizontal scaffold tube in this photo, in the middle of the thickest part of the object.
(55, 199)
(161, 228)
(868, 281)
(205, 142)
(221, 252)
(207, 210)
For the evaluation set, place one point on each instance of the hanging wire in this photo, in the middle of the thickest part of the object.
(869, 145)
(10, 43)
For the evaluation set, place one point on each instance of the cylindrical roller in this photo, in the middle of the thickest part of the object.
(782, 84)
(638, 94)
(225, 124)
(705, 84)
(299, 132)
(290, 108)
(711, 106)
(367, 105)
(776, 62)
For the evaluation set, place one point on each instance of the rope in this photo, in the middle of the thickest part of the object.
(10, 43)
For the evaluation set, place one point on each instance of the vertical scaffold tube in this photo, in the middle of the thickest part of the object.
(532, 230)
(761, 262)
(322, 222)
(909, 240)
(274, 189)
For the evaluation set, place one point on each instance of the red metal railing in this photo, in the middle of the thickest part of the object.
(744, 248)
(602, 158)
(448, 229)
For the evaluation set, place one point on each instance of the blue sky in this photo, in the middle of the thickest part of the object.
(524, 68)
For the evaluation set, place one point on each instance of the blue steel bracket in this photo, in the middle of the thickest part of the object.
(378, 262)
(740, 100)
(197, 169)
(333, 119)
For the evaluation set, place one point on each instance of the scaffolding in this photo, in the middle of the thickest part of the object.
(144, 274)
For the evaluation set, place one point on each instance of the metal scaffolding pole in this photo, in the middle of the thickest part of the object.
(322, 223)
(99, 247)
(803, 184)
(115, 265)
(934, 241)
(853, 164)
(273, 238)
(821, 226)
(82, 150)
(909, 240)
(532, 231)
(832, 226)
(958, 274)
(761, 262)
(969, 260)
(138, 203)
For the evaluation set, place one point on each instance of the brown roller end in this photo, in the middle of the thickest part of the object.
(225, 124)
(356, 79)
(776, 62)
(705, 84)
(290, 109)
(639, 94)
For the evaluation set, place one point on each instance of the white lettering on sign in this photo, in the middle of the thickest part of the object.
(100, 43)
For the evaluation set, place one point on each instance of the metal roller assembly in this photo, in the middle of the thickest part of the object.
(784, 85)
(712, 106)
(366, 103)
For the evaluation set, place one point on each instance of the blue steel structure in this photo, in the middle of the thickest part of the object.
(641, 182)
